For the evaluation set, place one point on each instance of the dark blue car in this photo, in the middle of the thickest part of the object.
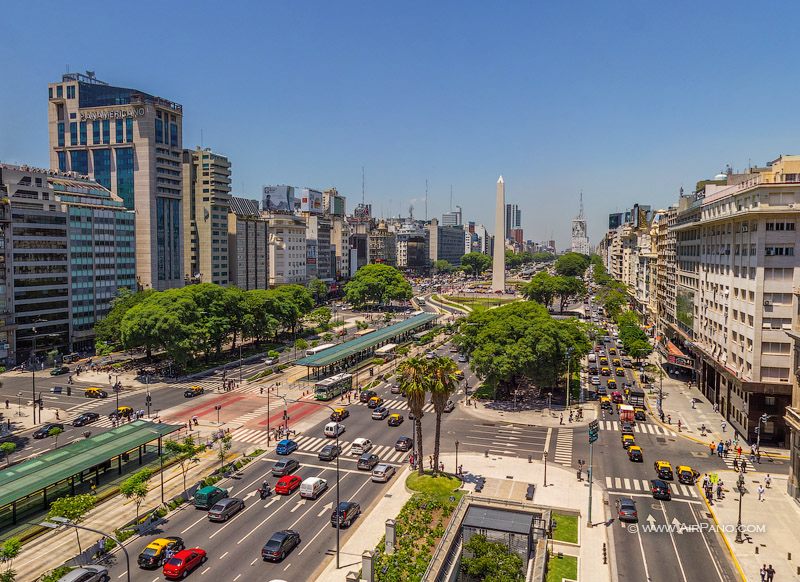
(286, 447)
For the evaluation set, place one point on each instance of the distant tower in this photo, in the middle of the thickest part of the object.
(499, 262)
(580, 237)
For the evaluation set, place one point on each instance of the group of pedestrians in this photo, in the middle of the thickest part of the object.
(574, 416)
(767, 573)
(709, 487)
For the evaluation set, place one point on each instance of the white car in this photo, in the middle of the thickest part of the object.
(595, 380)
(382, 472)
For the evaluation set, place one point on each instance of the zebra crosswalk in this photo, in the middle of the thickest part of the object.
(639, 427)
(311, 444)
(625, 484)
(399, 404)
(563, 452)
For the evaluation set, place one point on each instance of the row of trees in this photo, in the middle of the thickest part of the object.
(200, 319)
(520, 346)
(611, 293)
(572, 264)
(377, 284)
(419, 377)
(544, 287)
(478, 263)
(633, 336)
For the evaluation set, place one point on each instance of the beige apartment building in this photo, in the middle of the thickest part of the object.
(206, 203)
(287, 249)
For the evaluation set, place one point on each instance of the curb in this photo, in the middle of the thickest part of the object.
(724, 537)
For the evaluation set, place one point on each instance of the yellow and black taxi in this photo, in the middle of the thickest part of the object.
(193, 391)
(616, 362)
(621, 372)
(155, 553)
(459, 375)
(375, 402)
(94, 392)
(612, 351)
(639, 413)
(605, 402)
(339, 414)
(663, 470)
(686, 474)
(604, 371)
(611, 384)
(121, 411)
(628, 441)
(395, 419)
(635, 454)
(603, 361)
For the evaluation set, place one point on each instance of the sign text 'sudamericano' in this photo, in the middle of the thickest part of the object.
(112, 114)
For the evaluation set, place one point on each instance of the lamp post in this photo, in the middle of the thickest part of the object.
(763, 418)
(569, 358)
(740, 488)
(457, 472)
(218, 407)
(545, 468)
(59, 521)
(116, 390)
(19, 403)
(240, 363)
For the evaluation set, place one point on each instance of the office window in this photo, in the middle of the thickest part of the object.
(73, 133)
(129, 130)
(83, 132)
(118, 132)
(777, 348)
(173, 134)
(49, 92)
(159, 130)
(106, 131)
(62, 161)
(61, 134)
(79, 161)
(125, 175)
(60, 91)
(779, 374)
(102, 167)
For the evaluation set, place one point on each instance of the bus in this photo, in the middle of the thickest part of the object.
(364, 332)
(318, 349)
(420, 300)
(386, 352)
(333, 386)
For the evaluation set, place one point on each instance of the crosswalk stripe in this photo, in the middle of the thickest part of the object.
(636, 485)
(627, 483)
(617, 483)
(609, 483)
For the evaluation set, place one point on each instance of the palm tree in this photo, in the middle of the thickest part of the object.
(443, 384)
(414, 381)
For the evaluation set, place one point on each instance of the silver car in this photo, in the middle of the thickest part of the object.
(86, 574)
(383, 472)
(226, 508)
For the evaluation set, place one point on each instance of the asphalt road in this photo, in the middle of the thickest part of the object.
(689, 551)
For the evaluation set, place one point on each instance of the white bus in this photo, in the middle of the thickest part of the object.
(333, 386)
(386, 352)
(318, 349)
(420, 300)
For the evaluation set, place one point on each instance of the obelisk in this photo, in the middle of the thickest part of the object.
(499, 262)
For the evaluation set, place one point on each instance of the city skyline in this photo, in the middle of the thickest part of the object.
(289, 113)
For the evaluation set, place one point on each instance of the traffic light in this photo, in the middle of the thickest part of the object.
(148, 399)
(69, 390)
(41, 404)
(593, 428)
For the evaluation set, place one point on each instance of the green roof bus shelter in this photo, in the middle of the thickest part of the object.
(347, 354)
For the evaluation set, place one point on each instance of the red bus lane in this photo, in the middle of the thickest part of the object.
(296, 411)
(207, 407)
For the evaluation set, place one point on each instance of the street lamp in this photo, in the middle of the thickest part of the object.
(457, 472)
(569, 357)
(763, 418)
(545, 468)
(59, 521)
(19, 403)
(740, 488)
(218, 407)
(240, 362)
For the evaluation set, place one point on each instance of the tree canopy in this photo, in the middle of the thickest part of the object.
(544, 287)
(490, 561)
(632, 336)
(377, 284)
(520, 345)
(318, 289)
(476, 263)
(443, 266)
(572, 264)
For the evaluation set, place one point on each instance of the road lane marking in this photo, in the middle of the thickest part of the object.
(237, 577)
(627, 483)
(547, 439)
(254, 561)
(644, 558)
(286, 568)
(708, 548)
(223, 555)
(194, 524)
(206, 570)
(672, 539)
(617, 483)
(637, 485)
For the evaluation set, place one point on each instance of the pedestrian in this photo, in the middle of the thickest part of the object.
(669, 419)
(679, 425)
(460, 470)
(710, 496)
(763, 573)
(561, 420)
(739, 451)
(430, 462)
(57, 418)
(744, 465)
(6, 402)
(693, 404)
(570, 416)
(768, 481)
(719, 489)
(441, 466)
(720, 447)
(770, 573)
(716, 407)
(760, 492)
(724, 425)
(711, 449)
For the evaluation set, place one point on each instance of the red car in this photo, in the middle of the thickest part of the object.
(287, 484)
(183, 562)
(616, 398)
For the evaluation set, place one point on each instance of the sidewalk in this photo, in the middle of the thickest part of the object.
(52, 549)
(770, 529)
(370, 529)
(504, 411)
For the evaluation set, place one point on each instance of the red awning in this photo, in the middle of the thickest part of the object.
(674, 350)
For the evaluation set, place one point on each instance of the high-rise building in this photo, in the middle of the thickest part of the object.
(318, 247)
(340, 243)
(248, 245)
(445, 243)
(412, 247)
(206, 201)
(452, 218)
(382, 245)
(287, 250)
(131, 143)
(580, 236)
(513, 219)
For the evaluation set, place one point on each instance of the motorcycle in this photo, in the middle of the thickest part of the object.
(264, 492)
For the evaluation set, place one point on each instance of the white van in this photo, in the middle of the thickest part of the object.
(360, 446)
(592, 358)
(333, 429)
(312, 487)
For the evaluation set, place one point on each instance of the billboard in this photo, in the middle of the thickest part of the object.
(310, 200)
(278, 199)
(614, 220)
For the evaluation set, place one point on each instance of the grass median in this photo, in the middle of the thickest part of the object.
(566, 529)
(562, 567)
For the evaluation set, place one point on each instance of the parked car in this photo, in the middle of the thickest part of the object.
(85, 418)
(286, 447)
(383, 472)
(345, 513)
(285, 467)
(329, 452)
(155, 553)
(44, 431)
(226, 508)
(86, 574)
(280, 544)
(183, 562)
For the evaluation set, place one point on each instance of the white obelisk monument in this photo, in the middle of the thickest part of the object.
(499, 262)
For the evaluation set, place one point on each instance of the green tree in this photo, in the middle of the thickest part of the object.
(54, 432)
(414, 380)
(258, 321)
(321, 317)
(443, 266)
(297, 298)
(513, 260)
(476, 263)
(9, 550)
(108, 330)
(490, 561)
(233, 304)
(184, 452)
(74, 508)
(542, 257)
(541, 288)
(318, 290)
(567, 289)
(300, 344)
(224, 445)
(377, 284)
(443, 384)
(572, 265)
(7, 449)
(136, 487)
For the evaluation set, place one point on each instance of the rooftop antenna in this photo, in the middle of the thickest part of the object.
(363, 186)
(580, 213)
(426, 200)
(201, 138)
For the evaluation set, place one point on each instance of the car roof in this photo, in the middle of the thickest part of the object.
(663, 463)
(395, 414)
(382, 466)
(288, 478)
(685, 468)
(658, 482)
(285, 441)
(228, 500)
(626, 501)
(184, 553)
(634, 448)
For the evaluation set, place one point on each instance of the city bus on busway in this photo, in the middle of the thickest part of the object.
(333, 386)
(420, 300)
(318, 349)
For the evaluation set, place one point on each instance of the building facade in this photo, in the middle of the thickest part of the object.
(248, 245)
(445, 243)
(206, 202)
(287, 250)
(131, 143)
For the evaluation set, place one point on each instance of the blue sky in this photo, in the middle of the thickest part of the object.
(625, 101)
